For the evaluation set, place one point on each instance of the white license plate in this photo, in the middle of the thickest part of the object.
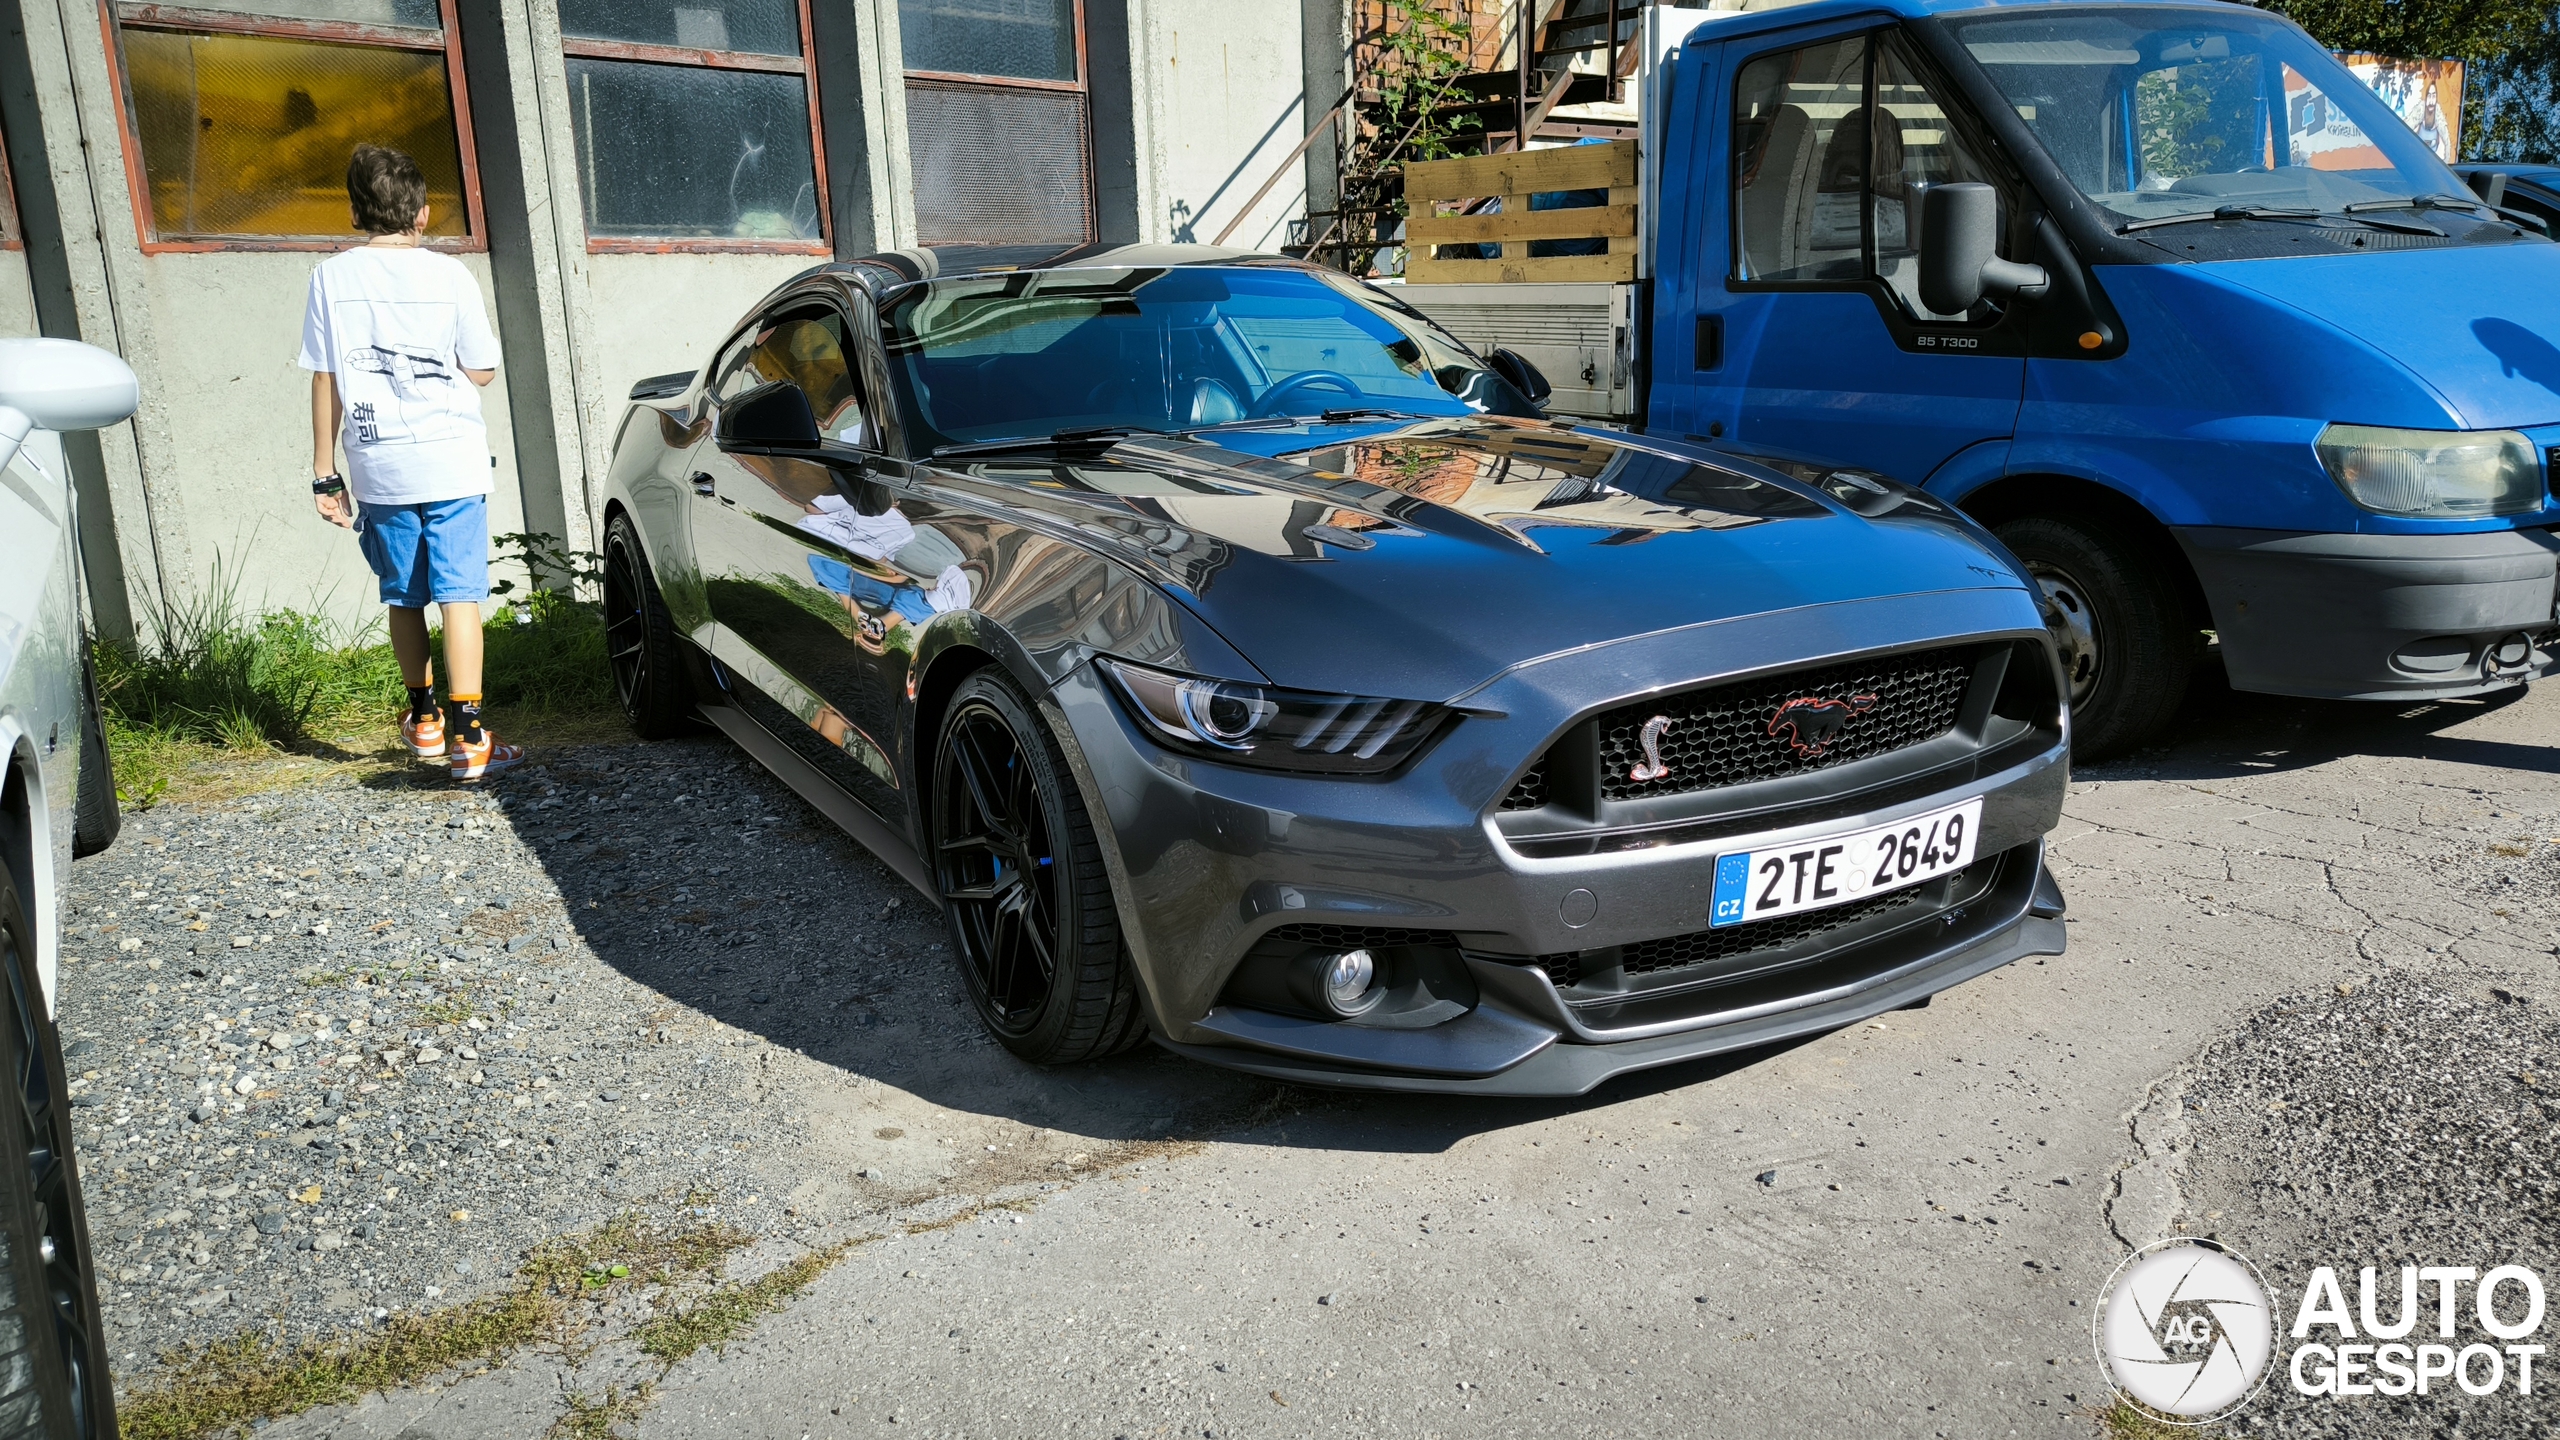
(1836, 869)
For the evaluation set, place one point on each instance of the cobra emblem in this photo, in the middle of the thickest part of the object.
(1651, 739)
(1811, 722)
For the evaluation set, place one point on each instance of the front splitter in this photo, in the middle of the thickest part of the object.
(1566, 1069)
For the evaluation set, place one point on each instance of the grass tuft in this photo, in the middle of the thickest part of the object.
(251, 1377)
(729, 1310)
(604, 1419)
(231, 1383)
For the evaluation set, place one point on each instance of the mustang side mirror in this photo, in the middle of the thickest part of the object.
(60, 385)
(1960, 251)
(772, 416)
(1513, 366)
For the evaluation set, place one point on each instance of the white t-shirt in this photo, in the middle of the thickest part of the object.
(398, 326)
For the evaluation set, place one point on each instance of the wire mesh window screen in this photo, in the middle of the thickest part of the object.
(676, 152)
(756, 27)
(997, 165)
(1026, 39)
(248, 135)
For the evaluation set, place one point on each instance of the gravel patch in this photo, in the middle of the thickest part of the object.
(350, 1050)
(2413, 1120)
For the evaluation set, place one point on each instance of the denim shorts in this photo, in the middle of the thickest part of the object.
(433, 553)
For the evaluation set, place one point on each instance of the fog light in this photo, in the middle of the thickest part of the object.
(1350, 983)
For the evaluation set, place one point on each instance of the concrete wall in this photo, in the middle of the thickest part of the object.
(1219, 104)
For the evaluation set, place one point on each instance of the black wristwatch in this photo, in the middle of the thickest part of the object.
(329, 485)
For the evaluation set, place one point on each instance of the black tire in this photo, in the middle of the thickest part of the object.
(66, 1389)
(640, 640)
(96, 820)
(2129, 640)
(1025, 893)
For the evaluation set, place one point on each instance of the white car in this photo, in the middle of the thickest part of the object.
(57, 800)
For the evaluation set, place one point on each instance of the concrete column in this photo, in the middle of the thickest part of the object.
(1113, 101)
(101, 260)
(524, 264)
(41, 221)
(862, 108)
(1325, 44)
(556, 227)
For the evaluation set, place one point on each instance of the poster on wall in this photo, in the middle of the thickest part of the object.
(2425, 93)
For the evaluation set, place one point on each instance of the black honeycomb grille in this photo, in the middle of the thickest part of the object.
(1679, 952)
(1730, 735)
(1358, 937)
(1531, 790)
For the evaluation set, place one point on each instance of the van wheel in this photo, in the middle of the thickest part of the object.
(59, 1378)
(1023, 884)
(640, 639)
(2128, 644)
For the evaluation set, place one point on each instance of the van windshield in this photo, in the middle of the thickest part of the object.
(2156, 113)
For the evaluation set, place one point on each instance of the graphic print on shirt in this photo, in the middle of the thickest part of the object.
(394, 373)
(406, 370)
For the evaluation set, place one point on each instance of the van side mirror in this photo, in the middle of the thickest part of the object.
(772, 416)
(2489, 185)
(60, 385)
(1513, 366)
(1960, 251)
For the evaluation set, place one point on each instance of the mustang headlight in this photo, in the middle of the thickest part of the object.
(1258, 725)
(2447, 474)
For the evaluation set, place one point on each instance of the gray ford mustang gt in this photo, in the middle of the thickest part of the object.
(1239, 661)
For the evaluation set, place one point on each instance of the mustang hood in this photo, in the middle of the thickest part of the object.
(2479, 327)
(1420, 562)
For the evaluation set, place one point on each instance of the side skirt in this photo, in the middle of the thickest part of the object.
(811, 784)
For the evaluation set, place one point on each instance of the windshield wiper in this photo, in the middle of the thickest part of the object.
(1350, 413)
(2224, 212)
(1074, 437)
(2422, 202)
(2264, 212)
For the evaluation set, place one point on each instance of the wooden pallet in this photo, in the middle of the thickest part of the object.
(1430, 184)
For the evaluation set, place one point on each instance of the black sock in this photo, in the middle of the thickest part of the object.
(422, 701)
(464, 717)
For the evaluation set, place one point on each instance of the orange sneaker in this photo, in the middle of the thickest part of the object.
(470, 762)
(425, 735)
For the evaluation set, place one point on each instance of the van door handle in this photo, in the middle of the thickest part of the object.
(702, 484)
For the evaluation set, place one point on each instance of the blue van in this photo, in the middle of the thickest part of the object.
(2160, 292)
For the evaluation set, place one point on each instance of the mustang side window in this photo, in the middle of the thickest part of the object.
(807, 348)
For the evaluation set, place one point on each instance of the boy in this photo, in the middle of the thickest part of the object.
(388, 326)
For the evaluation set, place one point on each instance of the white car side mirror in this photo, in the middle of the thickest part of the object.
(60, 385)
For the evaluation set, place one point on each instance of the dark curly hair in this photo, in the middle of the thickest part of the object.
(386, 188)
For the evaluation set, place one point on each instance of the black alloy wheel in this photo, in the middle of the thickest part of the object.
(2128, 640)
(1023, 885)
(53, 1371)
(640, 639)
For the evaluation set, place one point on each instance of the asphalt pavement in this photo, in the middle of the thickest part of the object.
(1896, 1229)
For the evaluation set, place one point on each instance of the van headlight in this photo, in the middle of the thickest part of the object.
(2439, 474)
(1260, 725)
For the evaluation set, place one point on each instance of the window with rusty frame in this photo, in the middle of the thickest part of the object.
(999, 122)
(239, 117)
(696, 123)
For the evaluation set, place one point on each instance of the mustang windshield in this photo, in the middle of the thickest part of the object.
(2157, 112)
(1030, 353)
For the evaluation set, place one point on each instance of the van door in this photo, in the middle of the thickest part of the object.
(1828, 145)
